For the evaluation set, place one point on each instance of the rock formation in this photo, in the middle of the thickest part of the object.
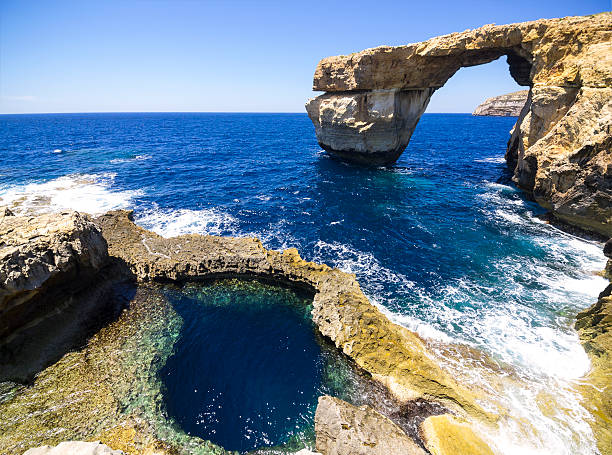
(391, 354)
(75, 448)
(42, 257)
(595, 328)
(344, 429)
(447, 435)
(560, 149)
(508, 105)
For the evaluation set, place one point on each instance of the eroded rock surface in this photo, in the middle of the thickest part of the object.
(75, 448)
(560, 149)
(447, 435)
(508, 105)
(41, 258)
(344, 429)
(595, 328)
(392, 354)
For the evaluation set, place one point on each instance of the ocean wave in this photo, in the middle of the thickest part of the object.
(372, 274)
(174, 222)
(492, 159)
(88, 193)
(128, 160)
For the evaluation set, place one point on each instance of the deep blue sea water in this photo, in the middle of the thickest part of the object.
(442, 241)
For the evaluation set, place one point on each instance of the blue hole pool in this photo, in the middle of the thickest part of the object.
(248, 366)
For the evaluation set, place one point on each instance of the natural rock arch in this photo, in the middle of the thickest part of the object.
(560, 148)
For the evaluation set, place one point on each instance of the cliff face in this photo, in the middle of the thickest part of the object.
(42, 260)
(560, 148)
(508, 105)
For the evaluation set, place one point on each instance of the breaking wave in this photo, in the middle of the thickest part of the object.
(89, 193)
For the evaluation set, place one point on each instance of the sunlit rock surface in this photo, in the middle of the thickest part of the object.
(43, 259)
(447, 435)
(595, 328)
(344, 429)
(508, 105)
(75, 448)
(560, 149)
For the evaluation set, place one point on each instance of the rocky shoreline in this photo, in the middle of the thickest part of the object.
(82, 307)
(125, 253)
(389, 354)
(508, 105)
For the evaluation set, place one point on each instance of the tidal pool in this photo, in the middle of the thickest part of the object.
(198, 369)
(248, 366)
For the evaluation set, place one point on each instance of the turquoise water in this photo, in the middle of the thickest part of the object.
(442, 241)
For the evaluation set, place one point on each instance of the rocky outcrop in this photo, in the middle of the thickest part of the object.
(560, 148)
(119, 355)
(595, 328)
(344, 429)
(75, 448)
(392, 354)
(447, 435)
(508, 105)
(43, 258)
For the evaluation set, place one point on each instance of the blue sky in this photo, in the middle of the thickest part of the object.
(188, 55)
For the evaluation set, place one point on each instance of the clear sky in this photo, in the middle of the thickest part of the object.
(243, 56)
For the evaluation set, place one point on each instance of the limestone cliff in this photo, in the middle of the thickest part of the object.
(560, 149)
(508, 105)
(595, 328)
(41, 257)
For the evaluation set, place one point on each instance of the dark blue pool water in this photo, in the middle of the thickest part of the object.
(247, 369)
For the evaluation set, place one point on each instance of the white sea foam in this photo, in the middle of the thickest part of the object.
(492, 159)
(363, 264)
(89, 193)
(127, 160)
(521, 317)
(174, 222)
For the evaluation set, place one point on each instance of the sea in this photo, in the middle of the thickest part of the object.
(442, 242)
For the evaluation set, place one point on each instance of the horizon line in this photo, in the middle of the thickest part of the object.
(182, 112)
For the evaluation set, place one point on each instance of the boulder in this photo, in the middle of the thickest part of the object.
(344, 429)
(41, 258)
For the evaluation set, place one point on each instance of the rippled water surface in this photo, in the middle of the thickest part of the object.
(442, 241)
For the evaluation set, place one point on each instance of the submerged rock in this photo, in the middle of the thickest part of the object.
(560, 147)
(42, 259)
(344, 429)
(508, 105)
(75, 448)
